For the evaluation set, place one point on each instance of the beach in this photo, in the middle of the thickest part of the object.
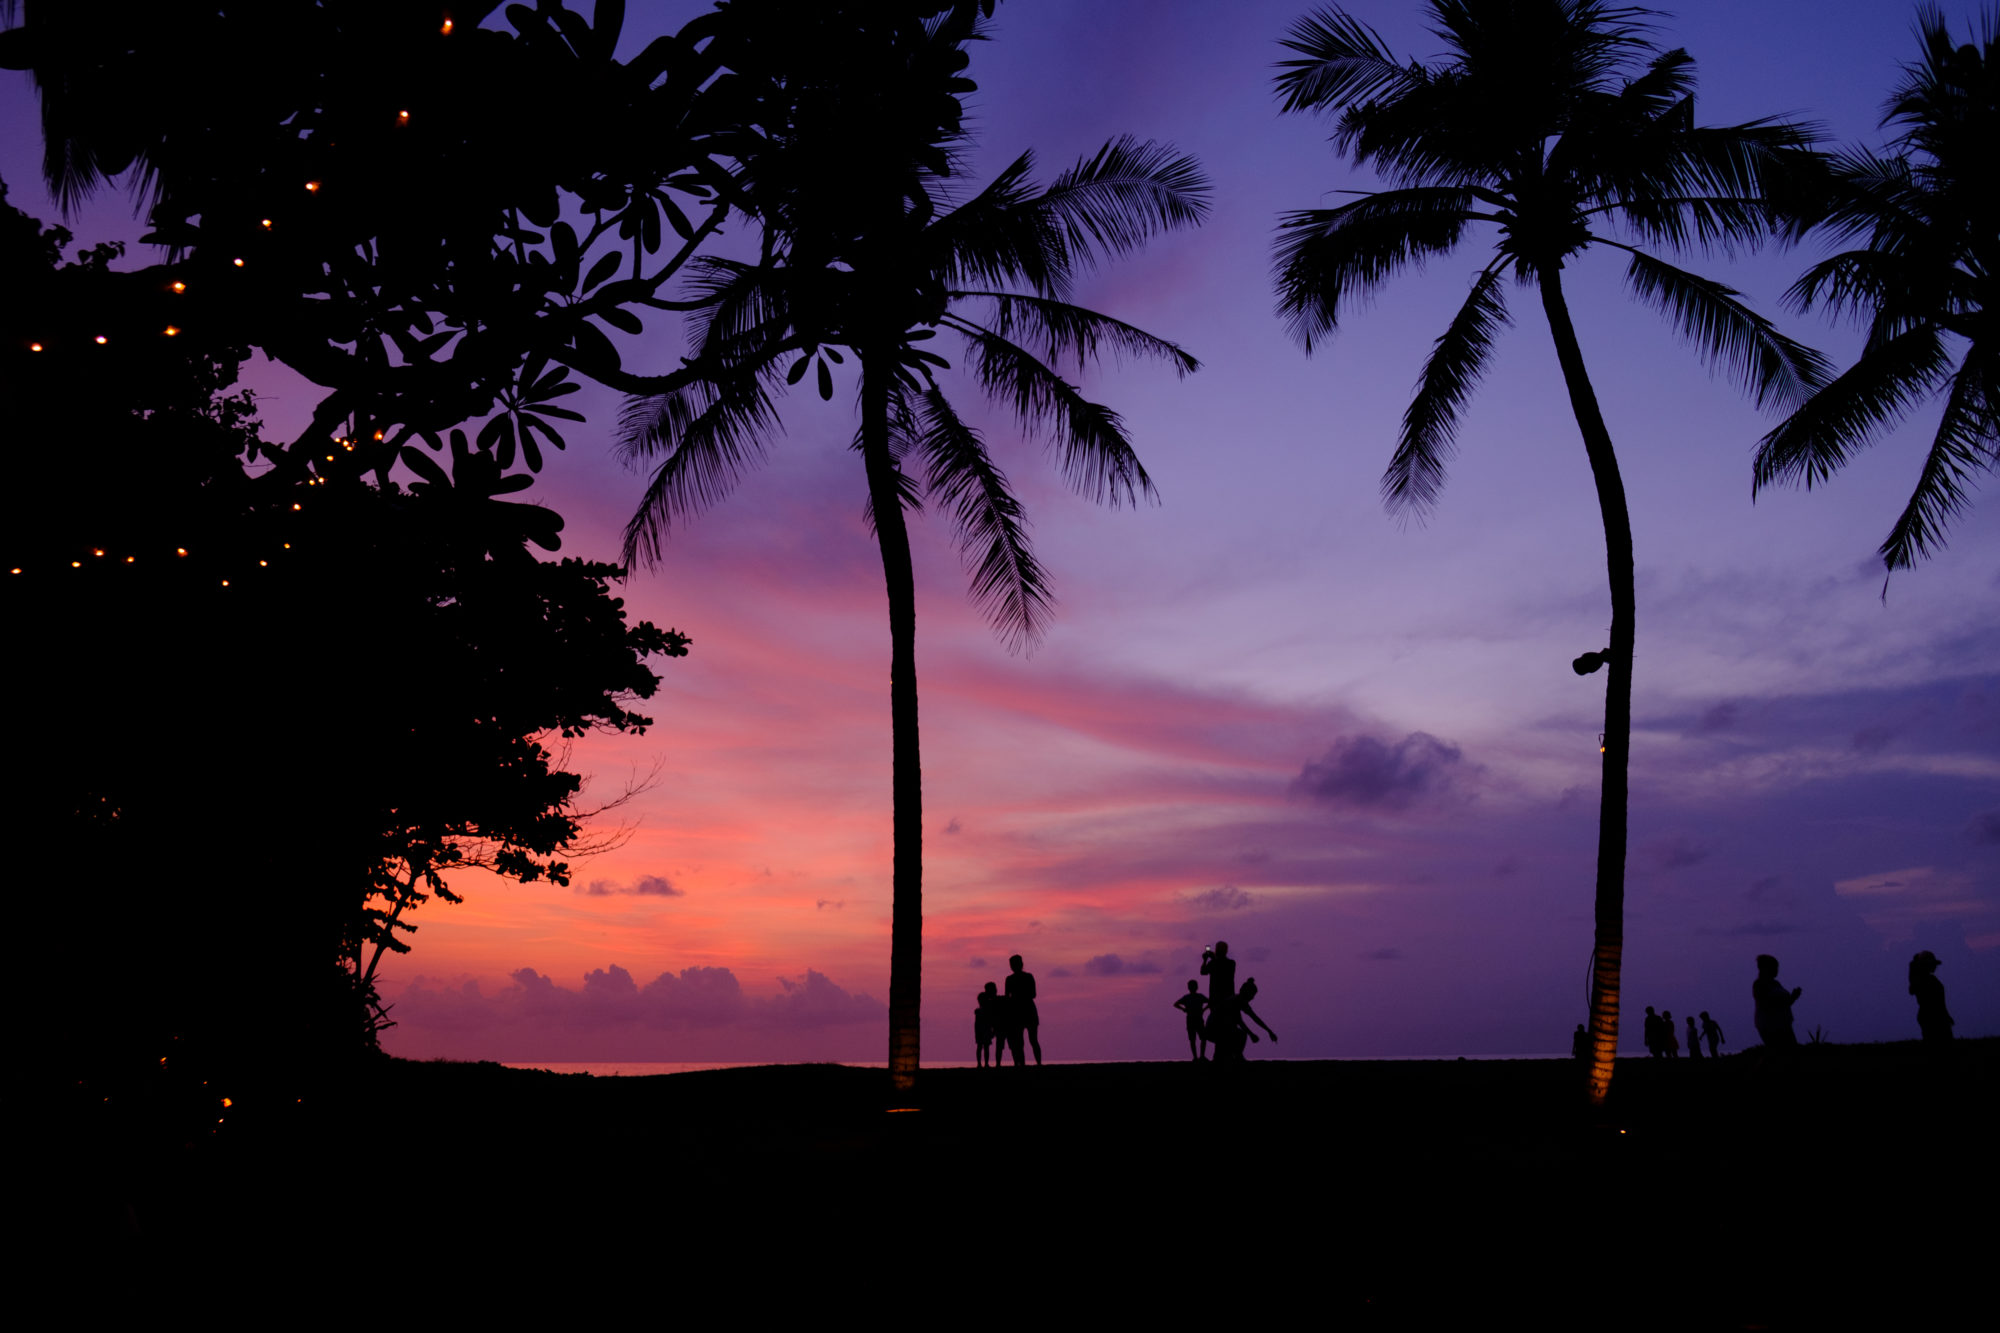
(1745, 1192)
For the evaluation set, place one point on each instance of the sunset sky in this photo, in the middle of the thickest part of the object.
(1267, 712)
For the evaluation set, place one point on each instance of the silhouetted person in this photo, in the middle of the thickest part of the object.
(1026, 1019)
(1694, 1040)
(1579, 1043)
(1223, 1024)
(1932, 1017)
(1652, 1032)
(1774, 1005)
(1712, 1030)
(1192, 1004)
(986, 1024)
(1243, 998)
(1670, 1040)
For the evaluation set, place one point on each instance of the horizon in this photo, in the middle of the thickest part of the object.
(1266, 712)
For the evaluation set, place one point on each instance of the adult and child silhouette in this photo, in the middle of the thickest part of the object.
(1772, 1015)
(1002, 1022)
(1219, 1018)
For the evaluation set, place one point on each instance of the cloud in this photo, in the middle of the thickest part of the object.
(975, 962)
(1228, 898)
(1111, 965)
(1719, 718)
(954, 826)
(1676, 853)
(648, 886)
(825, 903)
(1363, 771)
(1899, 904)
(1985, 829)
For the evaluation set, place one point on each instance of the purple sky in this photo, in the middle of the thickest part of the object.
(1266, 712)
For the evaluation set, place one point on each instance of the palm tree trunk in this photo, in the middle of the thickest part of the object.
(906, 928)
(1607, 955)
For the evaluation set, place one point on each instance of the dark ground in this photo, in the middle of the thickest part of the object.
(1848, 1187)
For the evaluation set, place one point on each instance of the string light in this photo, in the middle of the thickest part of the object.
(295, 506)
(446, 29)
(76, 564)
(311, 186)
(173, 331)
(237, 262)
(101, 340)
(97, 550)
(180, 287)
(266, 222)
(180, 550)
(402, 117)
(34, 347)
(225, 583)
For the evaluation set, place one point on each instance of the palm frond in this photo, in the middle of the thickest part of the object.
(1093, 451)
(1118, 199)
(712, 432)
(1343, 62)
(1967, 442)
(1327, 257)
(995, 237)
(1815, 440)
(1007, 582)
(1727, 332)
(1415, 476)
(1065, 330)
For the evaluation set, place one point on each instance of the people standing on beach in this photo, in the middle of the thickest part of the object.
(1579, 1043)
(1223, 1024)
(1652, 1032)
(1670, 1040)
(1023, 1016)
(1694, 1040)
(1192, 1005)
(986, 1025)
(1773, 1005)
(1713, 1031)
(1932, 1018)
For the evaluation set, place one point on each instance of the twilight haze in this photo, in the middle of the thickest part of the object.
(1266, 713)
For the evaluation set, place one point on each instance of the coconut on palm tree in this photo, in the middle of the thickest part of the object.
(1557, 128)
(1925, 284)
(870, 252)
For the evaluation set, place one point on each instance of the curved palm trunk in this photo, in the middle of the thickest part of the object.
(906, 929)
(1608, 951)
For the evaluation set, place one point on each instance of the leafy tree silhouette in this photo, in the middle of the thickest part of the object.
(866, 254)
(1548, 120)
(269, 709)
(1924, 284)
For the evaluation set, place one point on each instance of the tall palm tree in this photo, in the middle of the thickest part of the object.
(1925, 283)
(1550, 122)
(863, 251)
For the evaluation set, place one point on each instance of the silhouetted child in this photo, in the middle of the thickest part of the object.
(1774, 1005)
(1670, 1040)
(1192, 1004)
(1713, 1031)
(1579, 1043)
(1932, 1018)
(1694, 1040)
(985, 1024)
(1652, 1032)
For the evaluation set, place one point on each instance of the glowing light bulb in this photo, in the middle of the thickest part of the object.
(237, 262)
(402, 117)
(446, 29)
(378, 434)
(265, 564)
(97, 550)
(101, 340)
(180, 550)
(76, 564)
(15, 570)
(173, 331)
(265, 223)
(225, 583)
(130, 558)
(294, 506)
(34, 347)
(180, 287)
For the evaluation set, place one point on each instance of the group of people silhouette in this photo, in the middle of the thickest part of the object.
(1221, 1018)
(1003, 1022)
(1772, 1014)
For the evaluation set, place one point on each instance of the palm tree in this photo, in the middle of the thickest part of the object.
(1549, 121)
(1925, 282)
(862, 251)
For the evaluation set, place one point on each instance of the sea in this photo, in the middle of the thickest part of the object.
(648, 1068)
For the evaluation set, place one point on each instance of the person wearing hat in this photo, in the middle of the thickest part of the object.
(1932, 1017)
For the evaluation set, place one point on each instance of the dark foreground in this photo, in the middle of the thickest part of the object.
(1850, 1186)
